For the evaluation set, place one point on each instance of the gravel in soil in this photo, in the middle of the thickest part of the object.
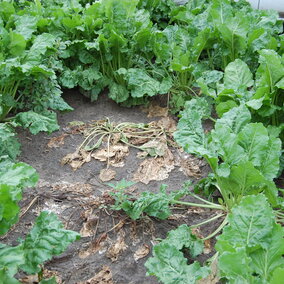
(113, 248)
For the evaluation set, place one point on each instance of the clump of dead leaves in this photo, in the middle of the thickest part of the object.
(110, 143)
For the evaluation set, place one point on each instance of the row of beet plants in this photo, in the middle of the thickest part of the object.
(222, 53)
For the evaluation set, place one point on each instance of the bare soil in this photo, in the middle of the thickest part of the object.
(114, 248)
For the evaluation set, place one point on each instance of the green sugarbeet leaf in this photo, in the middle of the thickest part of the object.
(190, 134)
(141, 84)
(168, 263)
(17, 44)
(13, 178)
(9, 144)
(245, 179)
(36, 122)
(10, 259)
(235, 266)
(183, 238)
(26, 25)
(253, 138)
(250, 223)
(9, 208)
(267, 261)
(19, 174)
(252, 244)
(46, 239)
(271, 69)
(238, 75)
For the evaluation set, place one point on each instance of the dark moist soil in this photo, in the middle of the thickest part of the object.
(80, 199)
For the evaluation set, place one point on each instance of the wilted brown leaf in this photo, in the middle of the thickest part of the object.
(115, 155)
(33, 279)
(155, 168)
(76, 159)
(155, 111)
(141, 252)
(155, 147)
(107, 175)
(118, 247)
(77, 188)
(94, 247)
(167, 123)
(55, 142)
(102, 277)
(190, 166)
(213, 277)
(89, 226)
(207, 246)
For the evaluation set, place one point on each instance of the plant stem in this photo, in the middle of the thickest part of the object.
(215, 206)
(208, 221)
(224, 223)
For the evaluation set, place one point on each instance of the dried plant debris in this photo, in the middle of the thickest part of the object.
(102, 277)
(109, 142)
(118, 247)
(91, 223)
(154, 110)
(76, 159)
(107, 175)
(46, 274)
(155, 168)
(141, 252)
(190, 165)
(113, 155)
(99, 244)
(56, 142)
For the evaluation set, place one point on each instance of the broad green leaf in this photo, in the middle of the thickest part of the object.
(250, 224)
(5, 278)
(270, 163)
(118, 93)
(20, 174)
(182, 237)
(140, 83)
(253, 138)
(10, 259)
(220, 11)
(26, 25)
(154, 204)
(226, 144)
(269, 258)
(9, 144)
(170, 266)
(235, 266)
(17, 44)
(233, 32)
(235, 119)
(224, 107)
(245, 179)
(46, 239)
(237, 75)
(277, 276)
(6, 10)
(271, 69)
(9, 208)
(36, 122)
(190, 134)
(40, 45)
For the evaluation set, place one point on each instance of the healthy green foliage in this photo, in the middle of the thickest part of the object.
(46, 239)
(155, 205)
(244, 156)
(251, 245)
(168, 263)
(13, 178)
